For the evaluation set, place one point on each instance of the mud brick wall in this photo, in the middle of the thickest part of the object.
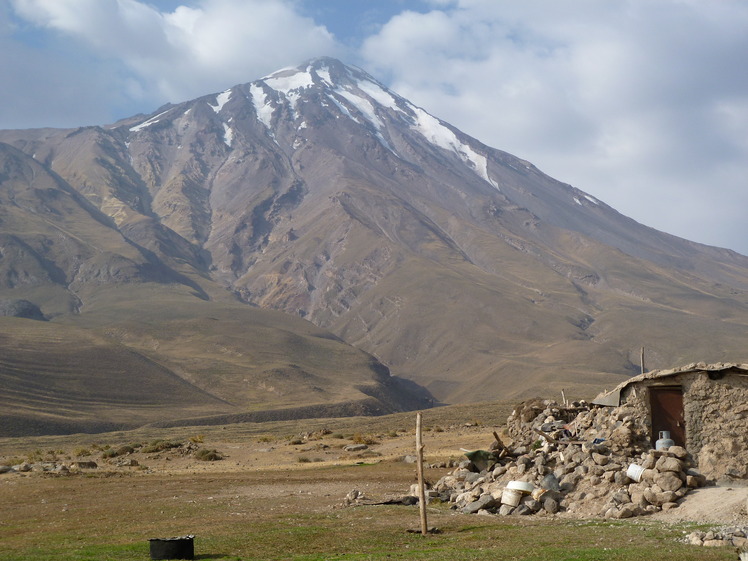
(716, 417)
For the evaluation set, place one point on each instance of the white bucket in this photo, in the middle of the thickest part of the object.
(635, 472)
(511, 497)
(521, 486)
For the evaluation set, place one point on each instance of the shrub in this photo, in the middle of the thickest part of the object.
(115, 452)
(197, 439)
(364, 439)
(160, 445)
(303, 460)
(206, 455)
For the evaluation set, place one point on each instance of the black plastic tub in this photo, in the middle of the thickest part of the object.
(173, 548)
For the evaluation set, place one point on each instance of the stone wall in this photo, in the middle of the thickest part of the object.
(716, 417)
(719, 408)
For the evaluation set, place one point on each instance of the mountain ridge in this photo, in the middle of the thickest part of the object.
(318, 192)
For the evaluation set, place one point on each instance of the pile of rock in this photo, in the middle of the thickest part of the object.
(48, 467)
(574, 458)
(722, 537)
(659, 481)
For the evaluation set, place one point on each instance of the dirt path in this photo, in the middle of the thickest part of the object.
(712, 505)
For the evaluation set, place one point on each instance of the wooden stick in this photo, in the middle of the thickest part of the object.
(642, 361)
(552, 440)
(421, 489)
(503, 450)
(548, 437)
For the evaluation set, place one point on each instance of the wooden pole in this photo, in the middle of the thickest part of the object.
(642, 360)
(421, 489)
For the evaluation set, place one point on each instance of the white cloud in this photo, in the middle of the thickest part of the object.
(642, 103)
(191, 50)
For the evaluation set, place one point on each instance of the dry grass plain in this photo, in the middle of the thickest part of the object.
(278, 495)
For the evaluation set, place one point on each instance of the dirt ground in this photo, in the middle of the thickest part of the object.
(299, 465)
(723, 504)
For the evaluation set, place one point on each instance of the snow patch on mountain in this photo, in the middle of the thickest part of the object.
(363, 105)
(263, 107)
(436, 133)
(378, 94)
(285, 83)
(343, 109)
(221, 100)
(228, 135)
(324, 74)
(149, 122)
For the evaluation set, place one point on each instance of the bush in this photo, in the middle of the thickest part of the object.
(206, 455)
(364, 439)
(121, 451)
(197, 439)
(160, 445)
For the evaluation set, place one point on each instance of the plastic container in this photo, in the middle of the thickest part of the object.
(635, 472)
(521, 486)
(511, 497)
(665, 441)
(172, 548)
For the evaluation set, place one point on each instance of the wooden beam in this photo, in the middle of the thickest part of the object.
(421, 488)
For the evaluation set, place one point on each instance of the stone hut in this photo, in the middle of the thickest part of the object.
(704, 407)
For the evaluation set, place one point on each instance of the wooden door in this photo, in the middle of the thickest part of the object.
(667, 413)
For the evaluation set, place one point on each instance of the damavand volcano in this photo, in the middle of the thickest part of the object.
(284, 247)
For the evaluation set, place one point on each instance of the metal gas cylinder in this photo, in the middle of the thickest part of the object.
(665, 441)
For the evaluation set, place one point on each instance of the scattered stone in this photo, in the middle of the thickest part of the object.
(678, 452)
(668, 481)
(550, 505)
(355, 447)
(669, 464)
(719, 537)
(506, 510)
(484, 502)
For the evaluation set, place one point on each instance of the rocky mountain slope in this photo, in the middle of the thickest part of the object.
(318, 192)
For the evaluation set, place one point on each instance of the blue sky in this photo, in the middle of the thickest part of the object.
(641, 103)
